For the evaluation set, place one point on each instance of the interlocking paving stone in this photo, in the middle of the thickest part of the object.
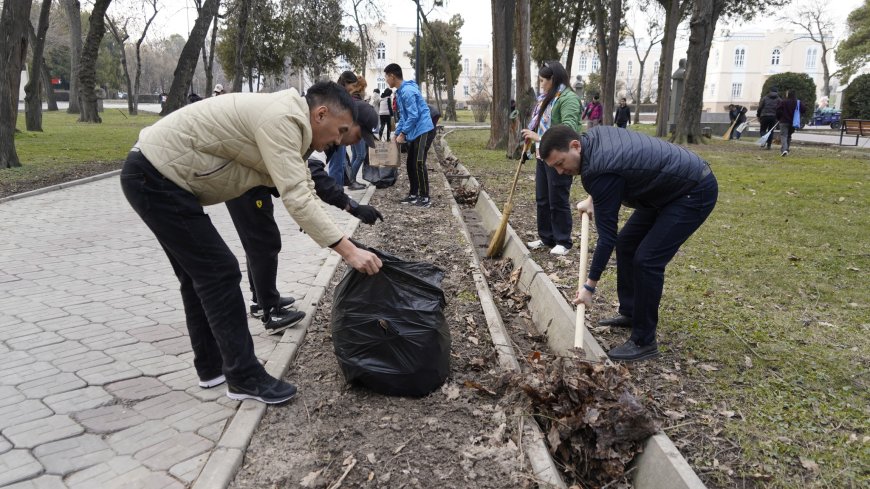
(151, 334)
(82, 331)
(129, 324)
(66, 456)
(5, 445)
(17, 465)
(198, 416)
(110, 372)
(132, 352)
(213, 431)
(206, 395)
(34, 340)
(166, 405)
(181, 380)
(46, 386)
(33, 433)
(17, 329)
(24, 373)
(174, 346)
(22, 412)
(107, 419)
(57, 352)
(167, 453)
(189, 470)
(41, 314)
(163, 364)
(121, 473)
(108, 341)
(41, 482)
(83, 361)
(141, 436)
(57, 324)
(137, 389)
(78, 400)
(9, 395)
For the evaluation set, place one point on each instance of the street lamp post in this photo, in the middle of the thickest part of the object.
(417, 43)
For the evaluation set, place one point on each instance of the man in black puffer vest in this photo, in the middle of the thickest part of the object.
(672, 191)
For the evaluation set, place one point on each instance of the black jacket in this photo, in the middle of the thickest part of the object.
(325, 186)
(767, 106)
(623, 114)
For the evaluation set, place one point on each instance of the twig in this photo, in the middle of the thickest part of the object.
(122, 113)
(624, 476)
(337, 484)
(678, 425)
(735, 333)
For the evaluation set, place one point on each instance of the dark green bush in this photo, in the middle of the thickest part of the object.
(804, 86)
(856, 99)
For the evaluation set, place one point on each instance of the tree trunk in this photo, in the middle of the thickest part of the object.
(88, 71)
(575, 29)
(826, 72)
(208, 61)
(189, 57)
(121, 38)
(525, 95)
(74, 14)
(502, 59)
(33, 92)
(601, 45)
(609, 95)
(241, 41)
(14, 19)
(134, 93)
(705, 14)
(639, 90)
(49, 90)
(666, 65)
(450, 113)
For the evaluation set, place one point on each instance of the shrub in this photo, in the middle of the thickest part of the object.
(856, 99)
(804, 86)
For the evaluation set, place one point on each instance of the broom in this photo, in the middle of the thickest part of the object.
(497, 241)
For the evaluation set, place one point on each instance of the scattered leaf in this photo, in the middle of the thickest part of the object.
(473, 339)
(747, 361)
(707, 367)
(371, 458)
(310, 479)
(675, 415)
(810, 465)
(451, 391)
(477, 385)
(726, 413)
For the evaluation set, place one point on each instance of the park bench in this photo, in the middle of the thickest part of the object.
(854, 127)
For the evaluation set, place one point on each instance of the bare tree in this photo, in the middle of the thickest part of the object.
(674, 10)
(244, 7)
(817, 26)
(502, 59)
(654, 34)
(525, 94)
(607, 32)
(450, 113)
(363, 13)
(50, 97)
(189, 56)
(88, 69)
(74, 15)
(14, 19)
(208, 57)
(121, 35)
(32, 91)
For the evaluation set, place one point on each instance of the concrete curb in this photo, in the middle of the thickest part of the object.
(229, 453)
(660, 466)
(60, 186)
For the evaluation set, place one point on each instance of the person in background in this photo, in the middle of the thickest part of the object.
(766, 113)
(557, 104)
(622, 117)
(385, 112)
(338, 160)
(594, 113)
(413, 127)
(789, 113)
(213, 151)
(359, 151)
(218, 90)
(672, 191)
(736, 113)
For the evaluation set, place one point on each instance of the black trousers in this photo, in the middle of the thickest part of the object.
(552, 194)
(418, 175)
(768, 123)
(385, 125)
(253, 216)
(644, 247)
(206, 268)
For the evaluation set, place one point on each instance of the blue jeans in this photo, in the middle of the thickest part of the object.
(644, 247)
(552, 193)
(336, 165)
(214, 307)
(358, 152)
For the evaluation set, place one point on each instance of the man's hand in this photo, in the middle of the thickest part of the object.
(586, 206)
(585, 297)
(400, 139)
(366, 213)
(531, 135)
(361, 260)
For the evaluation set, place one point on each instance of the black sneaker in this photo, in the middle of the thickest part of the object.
(356, 186)
(411, 199)
(257, 311)
(423, 202)
(263, 388)
(619, 321)
(278, 319)
(632, 352)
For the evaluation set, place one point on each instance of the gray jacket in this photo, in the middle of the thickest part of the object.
(767, 106)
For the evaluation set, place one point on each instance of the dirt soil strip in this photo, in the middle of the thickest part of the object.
(335, 435)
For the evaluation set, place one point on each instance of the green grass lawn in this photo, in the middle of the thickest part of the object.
(66, 143)
(773, 291)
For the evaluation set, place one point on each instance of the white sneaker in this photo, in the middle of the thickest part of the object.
(533, 245)
(208, 384)
(559, 250)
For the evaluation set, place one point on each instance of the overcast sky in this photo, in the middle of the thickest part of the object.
(478, 18)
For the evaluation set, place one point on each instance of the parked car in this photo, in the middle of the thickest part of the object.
(122, 95)
(826, 117)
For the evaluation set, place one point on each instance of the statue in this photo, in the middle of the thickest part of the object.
(579, 86)
(677, 87)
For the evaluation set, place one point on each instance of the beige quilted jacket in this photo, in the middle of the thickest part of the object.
(220, 147)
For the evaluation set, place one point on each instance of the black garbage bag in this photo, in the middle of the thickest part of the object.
(380, 177)
(389, 329)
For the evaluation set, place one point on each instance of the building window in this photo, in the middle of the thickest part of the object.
(595, 63)
(382, 83)
(479, 66)
(465, 90)
(465, 67)
(712, 89)
(775, 55)
(812, 54)
(583, 62)
(736, 90)
(656, 68)
(739, 57)
(716, 57)
(629, 68)
(381, 51)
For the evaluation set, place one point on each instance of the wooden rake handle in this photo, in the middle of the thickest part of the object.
(580, 327)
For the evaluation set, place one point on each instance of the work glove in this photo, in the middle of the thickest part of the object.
(366, 213)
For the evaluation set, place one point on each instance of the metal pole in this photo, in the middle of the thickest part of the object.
(417, 45)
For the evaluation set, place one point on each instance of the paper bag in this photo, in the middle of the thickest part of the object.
(385, 154)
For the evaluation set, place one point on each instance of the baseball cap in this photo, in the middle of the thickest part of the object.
(218, 88)
(368, 120)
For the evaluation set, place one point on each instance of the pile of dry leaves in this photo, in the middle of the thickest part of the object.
(595, 425)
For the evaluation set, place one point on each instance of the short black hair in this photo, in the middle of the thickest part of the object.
(332, 95)
(377, 90)
(557, 138)
(394, 69)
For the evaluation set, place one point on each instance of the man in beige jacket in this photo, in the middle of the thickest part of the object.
(214, 151)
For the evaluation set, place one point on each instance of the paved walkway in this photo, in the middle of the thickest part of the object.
(97, 387)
